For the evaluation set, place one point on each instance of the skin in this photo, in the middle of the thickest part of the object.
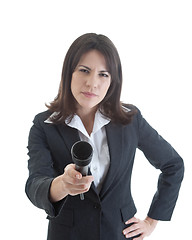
(143, 227)
(89, 85)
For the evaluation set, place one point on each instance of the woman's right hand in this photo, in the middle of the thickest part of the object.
(70, 182)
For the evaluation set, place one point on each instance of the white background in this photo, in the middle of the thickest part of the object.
(154, 39)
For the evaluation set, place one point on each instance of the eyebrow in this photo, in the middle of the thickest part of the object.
(90, 68)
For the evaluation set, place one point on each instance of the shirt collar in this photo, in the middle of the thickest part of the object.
(99, 122)
(48, 120)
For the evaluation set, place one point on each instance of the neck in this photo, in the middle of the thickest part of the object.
(87, 118)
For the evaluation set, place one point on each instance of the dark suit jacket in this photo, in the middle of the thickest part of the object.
(100, 216)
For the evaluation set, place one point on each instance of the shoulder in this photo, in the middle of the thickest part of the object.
(39, 127)
(42, 116)
(129, 107)
(132, 111)
(135, 115)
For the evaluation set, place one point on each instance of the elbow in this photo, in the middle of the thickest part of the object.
(174, 170)
(178, 170)
(182, 168)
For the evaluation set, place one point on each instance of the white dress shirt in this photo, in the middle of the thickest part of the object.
(101, 160)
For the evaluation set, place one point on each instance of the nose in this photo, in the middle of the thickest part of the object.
(92, 80)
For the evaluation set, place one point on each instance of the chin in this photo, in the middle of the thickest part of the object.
(89, 106)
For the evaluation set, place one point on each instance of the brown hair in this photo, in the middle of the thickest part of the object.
(65, 104)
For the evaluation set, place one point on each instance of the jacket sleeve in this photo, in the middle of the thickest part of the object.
(40, 167)
(162, 156)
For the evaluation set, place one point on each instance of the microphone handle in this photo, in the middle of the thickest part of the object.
(84, 171)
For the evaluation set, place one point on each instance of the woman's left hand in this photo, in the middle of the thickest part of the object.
(140, 227)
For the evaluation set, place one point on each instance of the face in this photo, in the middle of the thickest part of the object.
(90, 81)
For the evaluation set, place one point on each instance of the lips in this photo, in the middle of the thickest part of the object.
(89, 94)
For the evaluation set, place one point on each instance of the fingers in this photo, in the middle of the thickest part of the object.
(71, 172)
(75, 182)
(132, 220)
(76, 177)
(135, 233)
(132, 231)
(138, 228)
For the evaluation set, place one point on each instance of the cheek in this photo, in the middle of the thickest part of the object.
(106, 87)
(74, 83)
(77, 80)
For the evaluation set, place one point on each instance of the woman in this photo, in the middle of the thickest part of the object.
(88, 108)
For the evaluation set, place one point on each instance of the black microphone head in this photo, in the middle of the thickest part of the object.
(82, 153)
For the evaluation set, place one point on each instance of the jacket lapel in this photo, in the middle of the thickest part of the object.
(69, 135)
(115, 143)
(114, 137)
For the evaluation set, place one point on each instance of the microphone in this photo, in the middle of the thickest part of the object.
(82, 153)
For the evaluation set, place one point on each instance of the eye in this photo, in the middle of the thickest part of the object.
(104, 75)
(84, 70)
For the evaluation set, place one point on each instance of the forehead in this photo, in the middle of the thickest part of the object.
(93, 58)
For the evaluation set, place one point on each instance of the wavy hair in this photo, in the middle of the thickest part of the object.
(65, 104)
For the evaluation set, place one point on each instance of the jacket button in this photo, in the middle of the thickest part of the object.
(97, 206)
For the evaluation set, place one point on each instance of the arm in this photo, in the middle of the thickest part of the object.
(44, 188)
(162, 156)
(41, 172)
